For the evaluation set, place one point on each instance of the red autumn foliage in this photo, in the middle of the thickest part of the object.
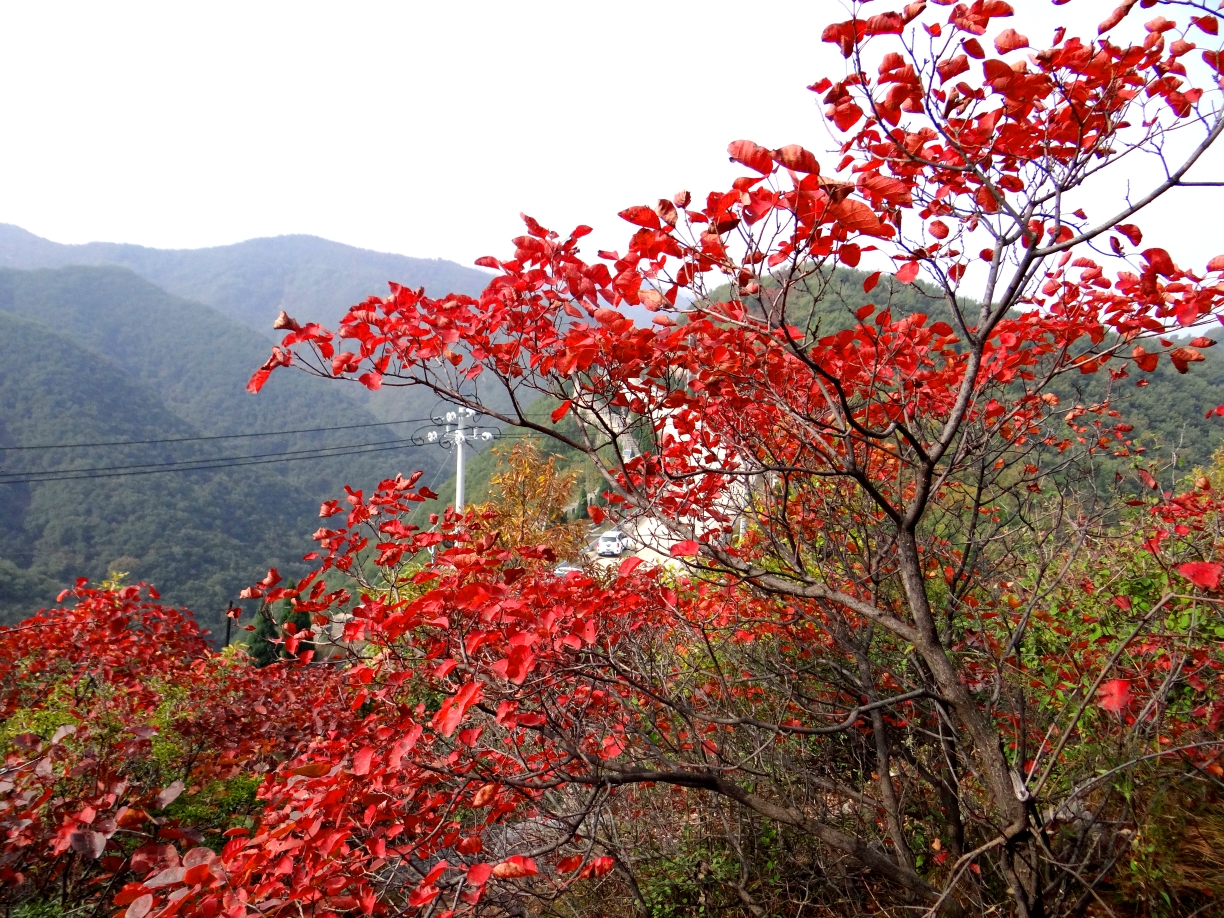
(890, 612)
(101, 682)
(1114, 695)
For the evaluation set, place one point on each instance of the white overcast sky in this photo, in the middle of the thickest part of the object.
(410, 127)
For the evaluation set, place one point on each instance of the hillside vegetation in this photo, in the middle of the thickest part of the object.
(107, 356)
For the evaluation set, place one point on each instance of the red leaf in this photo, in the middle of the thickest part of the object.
(796, 158)
(345, 362)
(752, 155)
(1160, 261)
(446, 721)
(140, 907)
(953, 66)
(871, 281)
(854, 216)
(1116, 16)
(879, 187)
(436, 872)
(197, 874)
(514, 867)
(534, 227)
(372, 381)
(258, 378)
(641, 216)
(1146, 477)
(938, 229)
(599, 867)
(1216, 264)
(1147, 362)
(844, 35)
(519, 663)
(1205, 574)
(478, 874)
(561, 410)
(1183, 357)
(362, 759)
(422, 895)
(1114, 695)
(88, 844)
(1203, 342)
(568, 864)
(686, 549)
(1010, 40)
(846, 114)
(1131, 232)
(849, 254)
(908, 272)
(628, 566)
(168, 795)
(885, 24)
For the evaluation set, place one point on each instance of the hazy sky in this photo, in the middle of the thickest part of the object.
(419, 128)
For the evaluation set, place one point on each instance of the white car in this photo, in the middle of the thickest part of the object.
(611, 544)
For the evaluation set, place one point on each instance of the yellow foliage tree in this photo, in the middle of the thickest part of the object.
(529, 496)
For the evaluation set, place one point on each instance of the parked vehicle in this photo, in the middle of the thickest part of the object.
(611, 543)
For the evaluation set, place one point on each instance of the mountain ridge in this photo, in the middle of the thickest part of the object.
(252, 280)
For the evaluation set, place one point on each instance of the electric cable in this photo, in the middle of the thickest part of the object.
(176, 462)
(196, 468)
(199, 465)
(269, 433)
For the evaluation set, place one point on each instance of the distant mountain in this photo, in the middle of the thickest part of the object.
(252, 281)
(99, 354)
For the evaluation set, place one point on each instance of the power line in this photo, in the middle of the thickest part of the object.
(200, 468)
(269, 433)
(200, 465)
(190, 462)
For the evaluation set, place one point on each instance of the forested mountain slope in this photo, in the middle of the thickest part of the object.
(1168, 416)
(100, 355)
(253, 280)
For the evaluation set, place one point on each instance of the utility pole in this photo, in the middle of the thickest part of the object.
(459, 459)
(465, 429)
